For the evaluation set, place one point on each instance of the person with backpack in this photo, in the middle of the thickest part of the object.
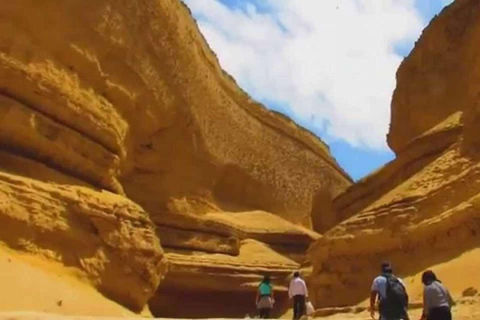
(264, 298)
(391, 293)
(437, 301)
(298, 291)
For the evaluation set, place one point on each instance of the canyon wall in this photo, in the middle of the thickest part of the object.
(423, 208)
(129, 155)
(119, 131)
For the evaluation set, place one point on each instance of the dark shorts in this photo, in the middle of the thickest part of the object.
(392, 313)
(439, 313)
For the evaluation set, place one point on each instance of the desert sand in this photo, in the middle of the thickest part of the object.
(33, 283)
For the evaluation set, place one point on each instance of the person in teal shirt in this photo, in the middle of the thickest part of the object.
(264, 298)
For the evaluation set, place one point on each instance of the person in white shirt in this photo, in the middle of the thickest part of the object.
(437, 300)
(299, 293)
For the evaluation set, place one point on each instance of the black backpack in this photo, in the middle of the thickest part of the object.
(396, 301)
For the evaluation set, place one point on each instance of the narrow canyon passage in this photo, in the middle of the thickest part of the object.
(137, 179)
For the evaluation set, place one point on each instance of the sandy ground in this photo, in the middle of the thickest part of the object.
(50, 289)
(464, 312)
(30, 283)
(460, 275)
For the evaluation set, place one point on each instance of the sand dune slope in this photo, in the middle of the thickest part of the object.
(30, 283)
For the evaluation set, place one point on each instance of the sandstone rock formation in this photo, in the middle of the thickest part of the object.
(108, 237)
(119, 128)
(119, 131)
(423, 208)
(247, 245)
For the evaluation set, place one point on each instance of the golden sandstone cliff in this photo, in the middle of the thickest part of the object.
(127, 154)
(131, 164)
(422, 209)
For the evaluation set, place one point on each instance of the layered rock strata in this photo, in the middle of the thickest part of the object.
(423, 208)
(140, 116)
(106, 236)
(117, 120)
(221, 257)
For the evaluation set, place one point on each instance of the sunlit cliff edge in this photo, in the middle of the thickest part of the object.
(130, 157)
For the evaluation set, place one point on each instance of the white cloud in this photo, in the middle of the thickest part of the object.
(331, 62)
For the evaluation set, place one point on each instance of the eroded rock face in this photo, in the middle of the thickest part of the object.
(126, 96)
(108, 237)
(160, 116)
(421, 209)
(439, 77)
(246, 246)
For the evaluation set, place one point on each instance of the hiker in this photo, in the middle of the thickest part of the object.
(391, 293)
(264, 298)
(298, 291)
(437, 301)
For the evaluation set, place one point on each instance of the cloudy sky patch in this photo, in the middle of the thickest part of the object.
(330, 64)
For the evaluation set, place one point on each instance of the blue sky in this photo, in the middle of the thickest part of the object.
(329, 65)
(358, 161)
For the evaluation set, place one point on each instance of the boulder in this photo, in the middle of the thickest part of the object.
(108, 237)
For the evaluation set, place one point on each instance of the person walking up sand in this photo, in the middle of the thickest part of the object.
(298, 291)
(264, 298)
(437, 301)
(391, 293)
